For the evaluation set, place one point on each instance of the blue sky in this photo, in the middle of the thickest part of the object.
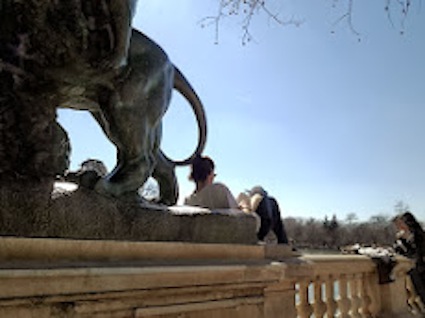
(327, 123)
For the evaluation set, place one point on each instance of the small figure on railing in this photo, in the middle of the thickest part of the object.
(411, 243)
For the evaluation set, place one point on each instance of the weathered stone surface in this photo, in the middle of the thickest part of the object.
(51, 278)
(193, 291)
(86, 215)
(93, 60)
(18, 251)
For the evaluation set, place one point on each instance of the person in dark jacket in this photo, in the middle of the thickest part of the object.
(411, 243)
(269, 213)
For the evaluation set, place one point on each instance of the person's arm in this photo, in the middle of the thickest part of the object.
(404, 247)
(231, 202)
(223, 197)
(420, 252)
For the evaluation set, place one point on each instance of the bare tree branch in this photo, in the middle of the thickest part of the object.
(248, 9)
(402, 7)
(348, 17)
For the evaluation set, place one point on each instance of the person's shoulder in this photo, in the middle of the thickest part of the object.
(217, 186)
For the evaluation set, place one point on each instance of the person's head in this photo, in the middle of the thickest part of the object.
(258, 190)
(409, 219)
(399, 224)
(202, 170)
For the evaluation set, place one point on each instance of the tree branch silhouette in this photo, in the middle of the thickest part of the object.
(247, 10)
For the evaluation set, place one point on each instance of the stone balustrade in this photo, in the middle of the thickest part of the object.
(49, 278)
(347, 286)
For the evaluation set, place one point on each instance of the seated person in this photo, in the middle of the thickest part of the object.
(268, 210)
(208, 194)
(411, 243)
(217, 196)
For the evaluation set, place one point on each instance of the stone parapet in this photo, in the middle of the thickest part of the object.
(52, 278)
(48, 278)
(16, 249)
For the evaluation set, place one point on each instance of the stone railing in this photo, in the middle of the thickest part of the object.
(339, 284)
(50, 278)
(348, 286)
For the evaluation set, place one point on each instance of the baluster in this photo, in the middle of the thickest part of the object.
(319, 305)
(331, 304)
(355, 298)
(365, 300)
(344, 303)
(304, 307)
(373, 294)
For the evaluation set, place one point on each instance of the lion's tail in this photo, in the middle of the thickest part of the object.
(182, 85)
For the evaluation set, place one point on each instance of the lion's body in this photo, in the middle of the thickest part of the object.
(129, 106)
(85, 55)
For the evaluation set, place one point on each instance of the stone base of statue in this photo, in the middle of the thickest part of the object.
(85, 215)
(51, 278)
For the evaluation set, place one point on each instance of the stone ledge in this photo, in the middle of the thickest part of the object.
(172, 292)
(14, 249)
(37, 282)
(86, 215)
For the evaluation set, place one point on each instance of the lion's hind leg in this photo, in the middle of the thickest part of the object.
(131, 132)
(133, 114)
(164, 174)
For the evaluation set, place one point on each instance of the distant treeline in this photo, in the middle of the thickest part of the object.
(333, 234)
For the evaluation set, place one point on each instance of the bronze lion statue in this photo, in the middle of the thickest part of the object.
(83, 54)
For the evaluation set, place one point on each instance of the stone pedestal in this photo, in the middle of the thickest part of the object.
(87, 256)
(86, 215)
